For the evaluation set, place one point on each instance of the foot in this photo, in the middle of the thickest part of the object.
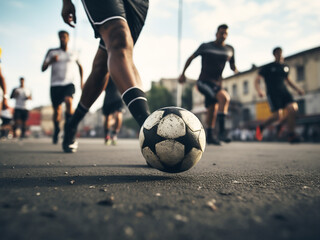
(294, 139)
(213, 141)
(55, 136)
(107, 141)
(224, 138)
(259, 135)
(69, 144)
(114, 140)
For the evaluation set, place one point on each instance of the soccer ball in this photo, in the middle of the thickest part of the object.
(172, 139)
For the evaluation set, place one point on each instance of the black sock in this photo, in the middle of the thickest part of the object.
(56, 125)
(78, 115)
(261, 127)
(137, 103)
(221, 120)
(209, 132)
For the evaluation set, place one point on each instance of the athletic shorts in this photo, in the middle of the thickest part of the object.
(279, 100)
(112, 100)
(21, 114)
(5, 121)
(209, 90)
(58, 93)
(132, 11)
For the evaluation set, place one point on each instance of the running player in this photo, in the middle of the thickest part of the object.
(62, 62)
(118, 24)
(112, 110)
(21, 112)
(214, 55)
(3, 89)
(275, 75)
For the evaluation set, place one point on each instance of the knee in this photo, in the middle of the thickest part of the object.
(293, 107)
(120, 40)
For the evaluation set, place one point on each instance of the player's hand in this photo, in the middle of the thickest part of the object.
(5, 104)
(300, 92)
(261, 94)
(182, 78)
(68, 13)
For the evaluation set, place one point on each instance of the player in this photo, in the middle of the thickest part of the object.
(62, 62)
(3, 89)
(112, 110)
(275, 75)
(21, 112)
(214, 55)
(118, 24)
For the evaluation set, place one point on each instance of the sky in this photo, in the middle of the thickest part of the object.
(28, 28)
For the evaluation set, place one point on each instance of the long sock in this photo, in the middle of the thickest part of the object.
(209, 132)
(56, 125)
(23, 131)
(221, 120)
(137, 103)
(78, 115)
(106, 132)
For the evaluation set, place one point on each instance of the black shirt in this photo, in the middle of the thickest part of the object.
(214, 59)
(274, 75)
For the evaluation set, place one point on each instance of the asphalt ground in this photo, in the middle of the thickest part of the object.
(237, 191)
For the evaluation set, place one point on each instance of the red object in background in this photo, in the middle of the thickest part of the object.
(34, 118)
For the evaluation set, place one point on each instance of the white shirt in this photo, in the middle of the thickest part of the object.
(21, 96)
(64, 69)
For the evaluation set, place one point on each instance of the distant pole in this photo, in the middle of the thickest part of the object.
(179, 87)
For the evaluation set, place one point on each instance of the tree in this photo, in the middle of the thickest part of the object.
(187, 97)
(159, 97)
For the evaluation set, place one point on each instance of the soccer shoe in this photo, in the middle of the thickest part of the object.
(213, 141)
(114, 140)
(55, 136)
(294, 139)
(69, 144)
(258, 133)
(224, 138)
(107, 140)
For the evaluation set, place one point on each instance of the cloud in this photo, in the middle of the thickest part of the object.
(17, 4)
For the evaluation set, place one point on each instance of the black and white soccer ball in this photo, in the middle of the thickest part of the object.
(172, 139)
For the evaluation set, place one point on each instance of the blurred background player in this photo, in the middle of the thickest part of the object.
(112, 110)
(21, 112)
(118, 24)
(6, 125)
(214, 55)
(275, 75)
(62, 62)
(3, 89)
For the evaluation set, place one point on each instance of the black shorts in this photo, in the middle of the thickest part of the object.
(5, 121)
(112, 100)
(21, 114)
(133, 11)
(209, 90)
(58, 93)
(279, 100)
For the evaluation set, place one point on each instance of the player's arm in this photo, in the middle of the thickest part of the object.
(68, 13)
(14, 93)
(257, 85)
(294, 86)
(182, 78)
(4, 88)
(233, 64)
(81, 73)
(48, 60)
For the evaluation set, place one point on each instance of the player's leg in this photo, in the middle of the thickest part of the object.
(292, 109)
(224, 100)
(56, 118)
(119, 43)
(107, 121)
(117, 126)
(92, 89)
(211, 118)
(24, 118)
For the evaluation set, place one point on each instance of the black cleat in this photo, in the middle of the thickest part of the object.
(55, 136)
(213, 141)
(69, 144)
(224, 138)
